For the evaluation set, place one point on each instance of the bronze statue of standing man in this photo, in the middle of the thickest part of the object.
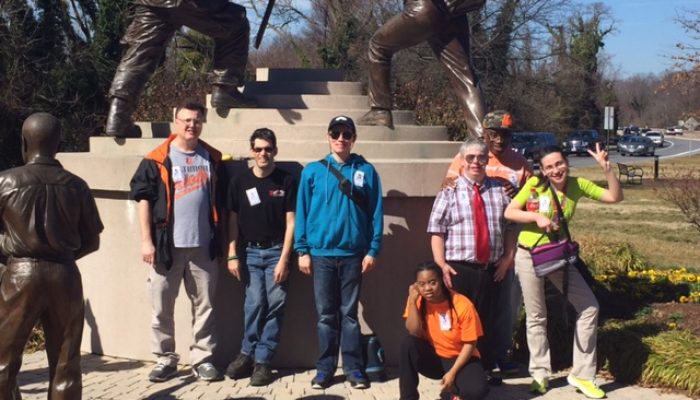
(48, 219)
(154, 24)
(444, 24)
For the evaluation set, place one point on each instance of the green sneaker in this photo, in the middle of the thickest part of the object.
(539, 387)
(587, 387)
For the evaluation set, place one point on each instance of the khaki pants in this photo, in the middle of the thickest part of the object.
(200, 275)
(585, 333)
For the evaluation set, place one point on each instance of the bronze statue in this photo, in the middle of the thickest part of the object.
(444, 24)
(154, 23)
(48, 219)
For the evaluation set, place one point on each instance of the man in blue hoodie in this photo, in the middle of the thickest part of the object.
(337, 235)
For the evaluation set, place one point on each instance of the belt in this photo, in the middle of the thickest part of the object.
(58, 260)
(524, 247)
(471, 264)
(263, 244)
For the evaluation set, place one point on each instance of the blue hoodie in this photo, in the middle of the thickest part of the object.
(328, 223)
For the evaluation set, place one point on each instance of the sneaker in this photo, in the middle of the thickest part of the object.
(357, 380)
(493, 380)
(262, 375)
(539, 387)
(508, 367)
(322, 380)
(240, 367)
(587, 387)
(206, 372)
(162, 373)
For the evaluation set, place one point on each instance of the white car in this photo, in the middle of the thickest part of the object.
(656, 136)
(674, 130)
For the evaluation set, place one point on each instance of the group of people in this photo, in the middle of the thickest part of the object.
(461, 309)
(191, 212)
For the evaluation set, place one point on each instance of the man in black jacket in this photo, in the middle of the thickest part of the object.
(153, 25)
(48, 219)
(444, 24)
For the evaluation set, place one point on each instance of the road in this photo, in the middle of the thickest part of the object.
(673, 147)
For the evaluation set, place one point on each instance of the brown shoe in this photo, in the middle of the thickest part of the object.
(230, 97)
(119, 123)
(377, 117)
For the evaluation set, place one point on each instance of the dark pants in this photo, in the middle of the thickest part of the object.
(152, 28)
(448, 37)
(418, 357)
(52, 293)
(337, 283)
(476, 282)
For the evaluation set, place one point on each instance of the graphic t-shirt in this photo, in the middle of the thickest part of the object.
(261, 204)
(191, 175)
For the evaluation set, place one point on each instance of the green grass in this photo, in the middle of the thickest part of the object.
(656, 229)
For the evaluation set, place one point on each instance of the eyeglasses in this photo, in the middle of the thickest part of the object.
(347, 135)
(267, 149)
(480, 159)
(188, 121)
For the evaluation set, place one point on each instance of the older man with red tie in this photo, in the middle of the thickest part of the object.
(472, 242)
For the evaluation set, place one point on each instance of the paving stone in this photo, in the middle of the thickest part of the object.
(108, 378)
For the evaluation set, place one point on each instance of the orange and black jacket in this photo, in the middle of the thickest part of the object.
(152, 181)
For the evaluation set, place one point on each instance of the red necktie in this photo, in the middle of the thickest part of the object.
(481, 228)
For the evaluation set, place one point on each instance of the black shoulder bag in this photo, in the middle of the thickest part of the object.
(346, 187)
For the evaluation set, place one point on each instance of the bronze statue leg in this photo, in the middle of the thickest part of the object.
(228, 25)
(146, 39)
(21, 301)
(415, 24)
(63, 328)
(451, 47)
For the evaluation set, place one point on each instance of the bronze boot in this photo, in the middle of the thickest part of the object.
(229, 97)
(119, 123)
(377, 117)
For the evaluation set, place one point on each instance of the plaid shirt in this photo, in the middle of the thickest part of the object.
(452, 216)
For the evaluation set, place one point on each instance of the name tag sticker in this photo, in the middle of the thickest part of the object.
(545, 204)
(253, 197)
(445, 323)
(359, 179)
(177, 174)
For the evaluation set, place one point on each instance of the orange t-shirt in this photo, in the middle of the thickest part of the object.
(447, 330)
(511, 167)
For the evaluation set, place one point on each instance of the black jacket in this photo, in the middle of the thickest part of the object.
(152, 181)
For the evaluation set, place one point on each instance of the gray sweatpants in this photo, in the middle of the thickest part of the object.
(200, 275)
(585, 333)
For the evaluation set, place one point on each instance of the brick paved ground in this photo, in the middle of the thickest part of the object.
(108, 378)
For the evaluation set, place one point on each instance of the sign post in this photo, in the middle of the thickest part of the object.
(609, 123)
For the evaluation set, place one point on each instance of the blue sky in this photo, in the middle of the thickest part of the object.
(646, 33)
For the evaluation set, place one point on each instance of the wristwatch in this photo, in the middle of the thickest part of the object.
(302, 253)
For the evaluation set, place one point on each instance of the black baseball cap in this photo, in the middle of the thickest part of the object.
(342, 120)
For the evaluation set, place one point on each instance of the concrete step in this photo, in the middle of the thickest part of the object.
(271, 116)
(291, 149)
(303, 87)
(310, 101)
(400, 178)
(302, 131)
(297, 74)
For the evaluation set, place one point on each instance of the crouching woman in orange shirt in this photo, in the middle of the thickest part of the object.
(443, 328)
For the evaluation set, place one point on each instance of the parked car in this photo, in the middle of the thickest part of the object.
(636, 145)
(529, 143)
(579, 142)
(657, 137)
(674, 130)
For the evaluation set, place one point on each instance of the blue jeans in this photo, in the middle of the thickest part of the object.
(264, 304)
(337, 282)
